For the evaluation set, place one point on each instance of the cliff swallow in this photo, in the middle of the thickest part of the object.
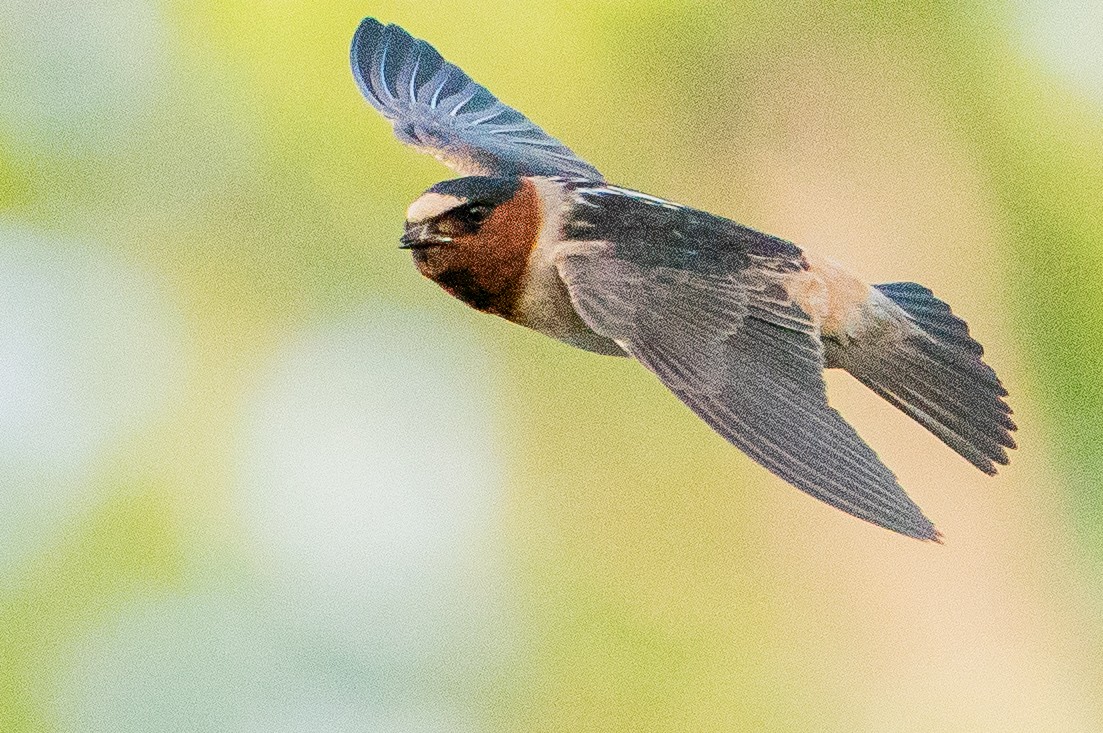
(738, 324)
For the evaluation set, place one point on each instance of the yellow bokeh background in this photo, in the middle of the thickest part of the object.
(257, 475)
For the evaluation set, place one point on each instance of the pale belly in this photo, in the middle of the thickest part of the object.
(546, 307)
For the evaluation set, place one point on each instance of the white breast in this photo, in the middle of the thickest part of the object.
(545, 303)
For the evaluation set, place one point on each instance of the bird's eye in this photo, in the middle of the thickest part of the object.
(473, 216)
(463, 220)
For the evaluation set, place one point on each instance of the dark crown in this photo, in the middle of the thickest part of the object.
(479, 189)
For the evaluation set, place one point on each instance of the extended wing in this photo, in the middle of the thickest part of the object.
(698, 300)
(438, 109)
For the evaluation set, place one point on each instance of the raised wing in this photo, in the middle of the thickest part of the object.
(698, 300)
(438, 109)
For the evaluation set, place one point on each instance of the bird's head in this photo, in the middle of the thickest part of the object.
(473, 236)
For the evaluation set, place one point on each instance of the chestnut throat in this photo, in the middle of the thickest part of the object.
(489, 270)
(477, 292)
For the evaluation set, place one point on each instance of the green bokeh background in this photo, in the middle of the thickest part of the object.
(257, 475)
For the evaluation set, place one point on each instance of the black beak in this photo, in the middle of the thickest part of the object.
(418, 236)
(410, 239)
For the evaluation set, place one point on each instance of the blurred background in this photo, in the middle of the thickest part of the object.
(257, 475)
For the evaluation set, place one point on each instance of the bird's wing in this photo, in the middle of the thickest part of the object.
(699, 301)
(438, 109)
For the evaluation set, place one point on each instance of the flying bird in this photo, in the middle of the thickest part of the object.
(739, 324)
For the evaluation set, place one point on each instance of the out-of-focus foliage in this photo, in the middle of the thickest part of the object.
(257, 475)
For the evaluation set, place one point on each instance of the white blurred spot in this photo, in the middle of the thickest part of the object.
(215, 665)
(89, 351)
(373, 487)
(1066, 35)
(78, 74)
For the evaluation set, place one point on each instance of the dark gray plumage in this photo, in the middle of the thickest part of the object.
(703, 310)
(435, 106)
(936, 376)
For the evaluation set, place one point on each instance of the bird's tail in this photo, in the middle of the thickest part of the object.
(936, 375)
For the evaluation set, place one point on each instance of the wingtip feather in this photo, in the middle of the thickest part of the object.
(363, 45)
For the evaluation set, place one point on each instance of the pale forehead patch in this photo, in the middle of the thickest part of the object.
(430, 205)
